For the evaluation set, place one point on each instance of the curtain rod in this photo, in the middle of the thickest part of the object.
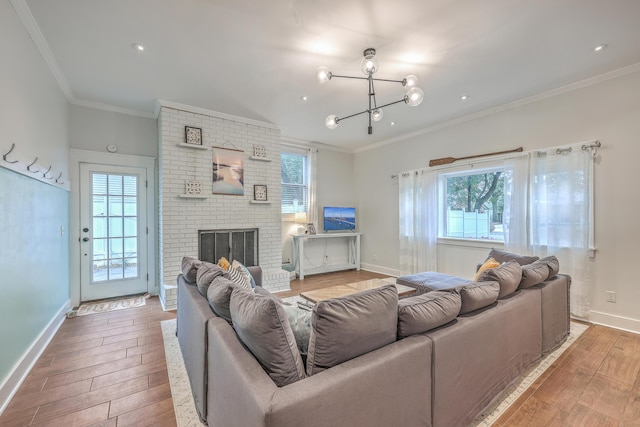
(559, 149)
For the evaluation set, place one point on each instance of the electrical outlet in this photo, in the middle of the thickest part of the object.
(611, 296)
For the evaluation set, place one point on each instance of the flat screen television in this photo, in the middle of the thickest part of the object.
(339, 219)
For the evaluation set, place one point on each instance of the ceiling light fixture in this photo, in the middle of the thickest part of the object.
(464, 97)
(600, 47)
(304, 98)
(369, 66)
(138, 47)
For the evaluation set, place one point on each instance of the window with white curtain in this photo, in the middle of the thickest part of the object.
(295, 182)
(472, 203)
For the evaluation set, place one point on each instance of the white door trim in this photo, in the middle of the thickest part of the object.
(84, 156)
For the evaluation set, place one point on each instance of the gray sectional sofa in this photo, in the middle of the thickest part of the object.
(441, 377)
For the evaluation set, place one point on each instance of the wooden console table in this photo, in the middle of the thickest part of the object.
(353, 240)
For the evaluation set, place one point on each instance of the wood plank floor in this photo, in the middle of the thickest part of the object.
(110, 370)
(104, 369)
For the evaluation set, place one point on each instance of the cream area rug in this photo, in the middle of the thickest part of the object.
(103, 306)
(186, 415)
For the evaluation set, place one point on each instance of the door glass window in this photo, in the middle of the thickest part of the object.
(115, 227)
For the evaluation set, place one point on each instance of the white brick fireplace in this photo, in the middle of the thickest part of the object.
(181, 217)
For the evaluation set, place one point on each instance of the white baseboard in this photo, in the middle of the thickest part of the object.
(23, 366)
(380, 269)
(613, 321)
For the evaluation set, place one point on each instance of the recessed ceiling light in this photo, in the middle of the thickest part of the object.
(600, 47)
(138, 47)
(464, 97)
(304, 98)
(392, 123)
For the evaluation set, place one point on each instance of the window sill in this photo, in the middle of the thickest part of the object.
(473, 243)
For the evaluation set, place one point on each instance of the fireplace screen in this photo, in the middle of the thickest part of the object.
(240, 245)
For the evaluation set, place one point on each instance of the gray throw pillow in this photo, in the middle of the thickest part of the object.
(189, 267)
(427, 311)
(553, 264)
(533, 274)
(478, 295)
(504, 256)
(206, 273)
(347, 327)
(261, 324)
(508, 275)
(219, 296)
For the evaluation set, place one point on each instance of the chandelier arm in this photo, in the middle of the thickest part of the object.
(350, 77)
(387, 80)
(366, 111)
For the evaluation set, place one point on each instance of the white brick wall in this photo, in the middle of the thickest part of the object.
(180, 219)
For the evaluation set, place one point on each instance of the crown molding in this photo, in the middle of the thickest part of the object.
(30, 24)
(301, 143)
(113, 108)
(197, 110)
(509, 106)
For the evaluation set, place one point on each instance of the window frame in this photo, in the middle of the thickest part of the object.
(306, 178)
(443, 204)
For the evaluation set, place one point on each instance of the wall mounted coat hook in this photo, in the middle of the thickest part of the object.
(58, 179)
(33, 163)
(44, 175)
(4, 156)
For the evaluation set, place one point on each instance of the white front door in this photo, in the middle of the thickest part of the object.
(113, 231)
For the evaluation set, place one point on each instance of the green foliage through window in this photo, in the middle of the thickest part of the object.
(294, 182)
(474, 205)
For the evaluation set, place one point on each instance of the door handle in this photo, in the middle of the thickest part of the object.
(85, 239)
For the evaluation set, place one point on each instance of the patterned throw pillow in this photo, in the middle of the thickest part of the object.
(223, 263)
(238, 278)
(245, 272)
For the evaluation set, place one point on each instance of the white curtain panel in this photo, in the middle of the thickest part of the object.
(312, 208)
(561, 209)
(418, 221)
(515, 217)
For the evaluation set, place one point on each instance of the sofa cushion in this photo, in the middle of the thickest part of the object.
(219, 296)
(189, 267)
(206, 273)
(534, 273)
(553, 264)
(508, 275)
(261, 324)
(347, 327)
(504, 256)
(489, 263)
(427, 311)
(478, 295)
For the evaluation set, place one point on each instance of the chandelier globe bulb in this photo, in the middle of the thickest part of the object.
(377, 114)
(410, 81)
(369, 64)
(323, 75)
(414, 96)
(331, 121)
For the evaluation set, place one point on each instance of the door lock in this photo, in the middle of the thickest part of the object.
(86, 230)
(85, 239)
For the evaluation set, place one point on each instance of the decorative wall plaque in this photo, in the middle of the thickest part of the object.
(259, 151)
(193, 188)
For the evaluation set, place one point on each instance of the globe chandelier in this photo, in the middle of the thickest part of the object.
(369, 66)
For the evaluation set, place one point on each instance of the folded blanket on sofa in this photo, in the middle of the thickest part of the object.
(431, 281)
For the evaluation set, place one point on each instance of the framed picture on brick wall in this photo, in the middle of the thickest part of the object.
(228, 171)
(192, 135)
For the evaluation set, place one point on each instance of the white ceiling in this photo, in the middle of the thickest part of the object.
(256, 58)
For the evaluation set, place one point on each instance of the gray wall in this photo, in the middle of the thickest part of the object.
(608, 111)
(94, 130)
(34, 254)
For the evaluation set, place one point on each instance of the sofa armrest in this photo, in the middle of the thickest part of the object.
(389, 386)
(256, 272)
(192, 315)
